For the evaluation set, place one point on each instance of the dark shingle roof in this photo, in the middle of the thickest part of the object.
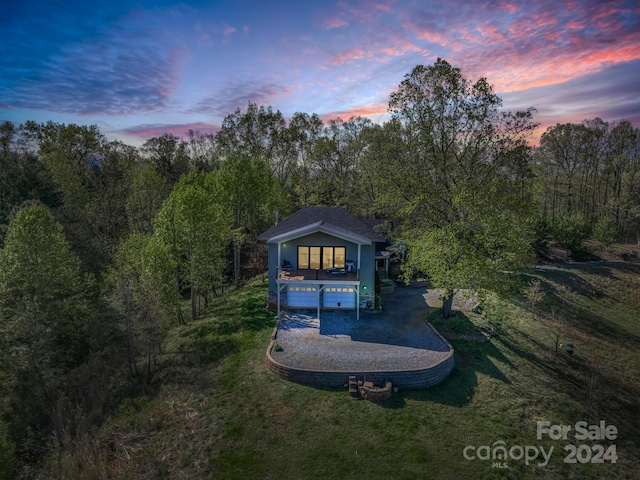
(334, 218)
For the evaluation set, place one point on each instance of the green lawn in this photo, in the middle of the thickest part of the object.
(217, 412)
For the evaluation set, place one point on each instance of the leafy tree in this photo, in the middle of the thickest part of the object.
(258, 132)
(148, 191)
(201, 151)
(74, 157)
(455, 179)
(251, 196)
(193, 225)
(44, 317)
(168, 154)
(569, 231)
(605, 231)
(141, 289)
(23, 177)
(334, 170)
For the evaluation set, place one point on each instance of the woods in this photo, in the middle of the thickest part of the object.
(102, 244)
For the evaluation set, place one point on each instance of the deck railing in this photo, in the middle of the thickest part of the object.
(333, 274)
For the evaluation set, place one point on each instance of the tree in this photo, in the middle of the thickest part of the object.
(569, 231)
(44, 317)
(201, 151)
(23, 177)
(334, 168)
(141, 289)
(195, 228)
(456, 182)
(251, 196)
(168, 154)
(605, 231)
(148, 191)
(258, 132)
(91, 176)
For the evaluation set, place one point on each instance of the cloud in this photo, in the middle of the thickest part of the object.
(228, 30)
(238, 95)
(145, 132)
(89, 68)
(379, 50)
(612, 94)
(533, 44)
(372, 110)
(335, 22)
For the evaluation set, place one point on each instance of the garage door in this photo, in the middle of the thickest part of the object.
(339, 297)
(302, 297)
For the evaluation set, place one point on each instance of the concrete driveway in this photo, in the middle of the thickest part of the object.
(398, 338)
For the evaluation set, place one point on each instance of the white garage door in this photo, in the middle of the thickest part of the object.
(339, 297)
(302, 297)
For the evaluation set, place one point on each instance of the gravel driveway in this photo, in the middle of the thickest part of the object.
(396, 339)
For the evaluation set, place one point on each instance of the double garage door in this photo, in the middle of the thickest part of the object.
(332, 297)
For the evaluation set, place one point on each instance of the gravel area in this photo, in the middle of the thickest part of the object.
(396, 339)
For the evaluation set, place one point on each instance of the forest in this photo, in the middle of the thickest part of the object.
(105, 246)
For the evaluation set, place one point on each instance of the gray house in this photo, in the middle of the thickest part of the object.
(322, 257)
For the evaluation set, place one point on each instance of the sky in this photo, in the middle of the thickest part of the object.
(138, 69)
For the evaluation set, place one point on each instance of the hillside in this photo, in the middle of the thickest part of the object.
(214, 411)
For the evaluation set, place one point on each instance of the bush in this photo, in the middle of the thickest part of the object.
(605, 231)
(542, 232)
(569, 231)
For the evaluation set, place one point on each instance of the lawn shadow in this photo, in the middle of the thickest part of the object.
(471, 359)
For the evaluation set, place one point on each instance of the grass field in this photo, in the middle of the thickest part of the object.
(217, 412)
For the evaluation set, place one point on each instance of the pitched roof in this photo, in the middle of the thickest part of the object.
(333, 220)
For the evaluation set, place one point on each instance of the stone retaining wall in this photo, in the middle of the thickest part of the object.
(403, 379)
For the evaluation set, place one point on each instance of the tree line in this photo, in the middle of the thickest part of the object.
(102, 245)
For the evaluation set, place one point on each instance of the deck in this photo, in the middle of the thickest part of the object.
(320, 275)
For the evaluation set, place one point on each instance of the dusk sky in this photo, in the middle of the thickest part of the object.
(138, 69)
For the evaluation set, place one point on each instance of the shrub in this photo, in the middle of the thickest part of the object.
(605, 231)
(570, 230)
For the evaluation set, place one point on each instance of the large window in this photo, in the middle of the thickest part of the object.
(315, 258)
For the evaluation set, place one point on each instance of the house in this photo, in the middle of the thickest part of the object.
(322, 257)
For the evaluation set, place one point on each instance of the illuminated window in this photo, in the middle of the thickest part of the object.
(316, 258)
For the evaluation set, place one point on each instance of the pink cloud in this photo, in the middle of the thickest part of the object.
(538, 43)
(335, 22)
(350, 56)
(227, 30)
(145, 132)
(375, 110)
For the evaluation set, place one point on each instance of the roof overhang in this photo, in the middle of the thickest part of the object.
(322, 228)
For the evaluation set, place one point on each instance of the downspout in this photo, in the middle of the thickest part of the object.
(358, 289)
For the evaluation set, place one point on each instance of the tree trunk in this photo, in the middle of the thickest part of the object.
(447, 304)
(194, 306)
(178, 309)
(236, 264)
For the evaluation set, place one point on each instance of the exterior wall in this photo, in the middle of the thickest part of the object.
(289, 251)
(318, 239)
(367, 275)
(273, 265)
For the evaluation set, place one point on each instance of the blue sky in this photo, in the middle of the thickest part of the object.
(139, 69)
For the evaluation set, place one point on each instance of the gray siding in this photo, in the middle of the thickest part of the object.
(289, 251)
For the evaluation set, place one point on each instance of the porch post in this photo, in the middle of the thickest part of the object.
(278, 307)
(358, 303)
(358, 266)
(279, 260)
